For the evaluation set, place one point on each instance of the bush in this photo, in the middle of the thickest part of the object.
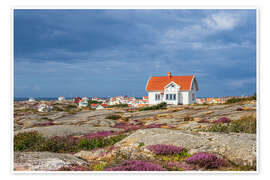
(245, 124)
(164, 149)
(32, 141)
(60, 144)
(162, 105)
(206, 160)
(223, 120)
(118, 106)
(235, 100)
(136, 165)
(92, 143)
(28, 141)
(114, 117)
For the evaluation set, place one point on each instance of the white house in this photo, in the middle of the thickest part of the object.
(172, 89)
(44, 108)
(31, 99)
(61, 98)
(83, 103)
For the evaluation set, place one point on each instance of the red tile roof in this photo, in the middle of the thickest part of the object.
(158, 83)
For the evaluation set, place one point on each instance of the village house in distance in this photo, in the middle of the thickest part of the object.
(172, 89)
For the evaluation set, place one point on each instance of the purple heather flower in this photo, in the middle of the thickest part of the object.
(101, 134)
(183, 166)
(153, 126)
(136, 165)
(223, 120)
(206, 160)
(165, 149)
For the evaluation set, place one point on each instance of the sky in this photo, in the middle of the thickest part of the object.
(114, 52)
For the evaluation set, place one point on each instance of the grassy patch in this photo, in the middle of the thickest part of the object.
(118, 106)
(28, 141)
(162, 105)
(246, 124)
(235, 100)
(114, 117)
(33, 141)
(88, 144)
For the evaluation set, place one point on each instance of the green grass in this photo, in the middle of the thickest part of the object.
(87, 144)
(114, 117)
(33, 141)
(118, 106)
(28, 141)
(235, 100)
(162, 105)
(246, 124)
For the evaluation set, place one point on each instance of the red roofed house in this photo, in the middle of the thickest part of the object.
(172, 89)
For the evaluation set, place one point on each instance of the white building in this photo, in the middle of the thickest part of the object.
(83, 103)
(61, 98)
(172, 89)
(31, 99)
(44, 108)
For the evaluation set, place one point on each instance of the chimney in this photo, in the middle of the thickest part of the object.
(169, 74)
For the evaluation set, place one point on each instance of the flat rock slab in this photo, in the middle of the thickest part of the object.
(239, 148)
(66, 130)
(43, 161)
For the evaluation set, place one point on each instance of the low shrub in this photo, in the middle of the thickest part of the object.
(223, 120)
(32, 141)
(177, 166)
(28, 141)
(136, 165)
(118, 106)
(162, 105)
(164, 149)
(114, 117)
(206, 160)
(98, 142)
(235, 99)
(60, 144)
(246, 124)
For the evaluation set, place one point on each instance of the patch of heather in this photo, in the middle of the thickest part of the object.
(153, 126)
(136, 165)
(164, 149)
(177, 165)
(204, 120)
(74, 167)
(101, 134)
(206, 160)
(223, 120)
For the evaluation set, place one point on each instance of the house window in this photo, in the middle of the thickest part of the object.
(157, 97)
(193, 97)
(170, 96)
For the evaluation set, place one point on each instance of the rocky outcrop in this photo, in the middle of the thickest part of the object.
(66, 130)
(236, 147)
(43, 161)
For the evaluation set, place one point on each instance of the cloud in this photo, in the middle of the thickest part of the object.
(116, 49)
(222, 21)
(240, 83)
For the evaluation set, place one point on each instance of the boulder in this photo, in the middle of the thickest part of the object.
(43, 161)
(66, 130)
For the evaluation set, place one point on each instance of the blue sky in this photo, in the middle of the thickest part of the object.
(114, 52)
